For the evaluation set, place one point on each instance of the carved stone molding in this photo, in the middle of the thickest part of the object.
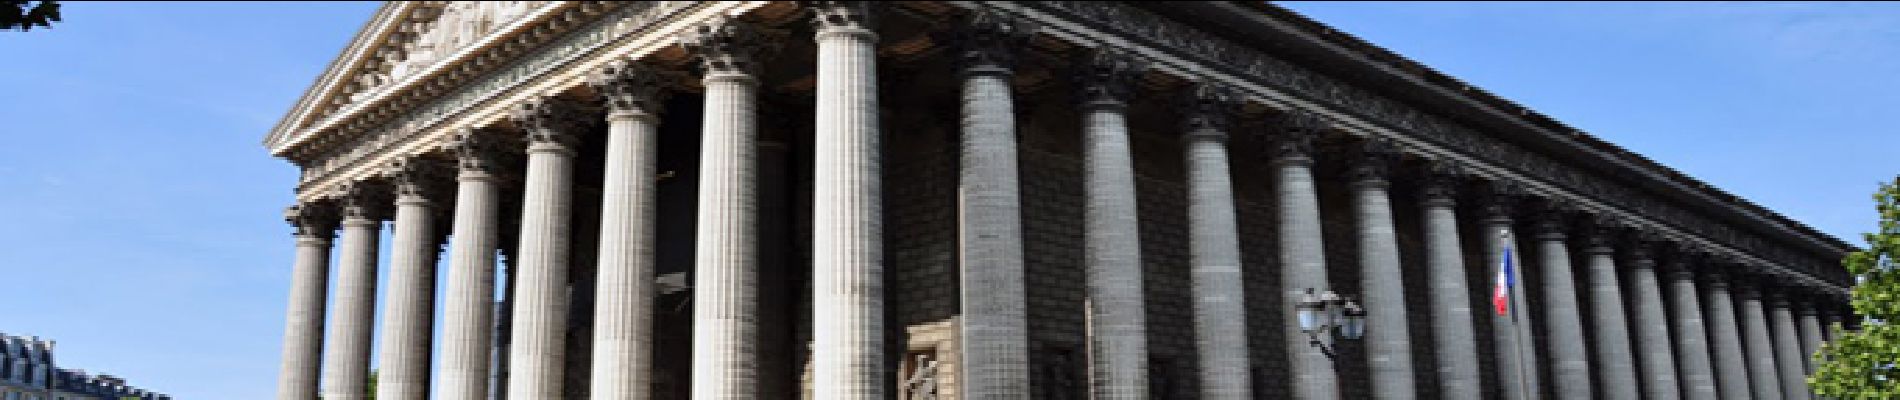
(1105, 78)
(1498, 200)
(1552, 220)
(552, 120)
(987, 40)
(631, 88)
(727, 48)
(1208, 111)
(1600, 234)
(1293, 134)
(1714, 277)
(312, 219)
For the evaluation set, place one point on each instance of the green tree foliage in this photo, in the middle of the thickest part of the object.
(24, 15)
(1866, 364)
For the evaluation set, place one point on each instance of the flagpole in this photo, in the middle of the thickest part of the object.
(1525, 391)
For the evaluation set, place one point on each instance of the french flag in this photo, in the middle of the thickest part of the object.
(1501, 295)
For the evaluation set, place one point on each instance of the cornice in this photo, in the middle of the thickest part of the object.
(386, 19)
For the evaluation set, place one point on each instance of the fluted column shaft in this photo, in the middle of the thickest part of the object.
(1794, 382)
(1302, 262)
(1725, 336)
(1454, 335)
(1220, 315)
(303, 320)
(847, 236)
(1563, 321)
(995, 329)
(537, 346)
(468, 321)
(1763, 375)
(1616, 365)
(1654, 353)
(1511, 333)
(623, 305)
(346, 357)
(1388, 336)
(1692, 338)
(1809, 323)
(409, 313)
(725, 320)
(1117, 327)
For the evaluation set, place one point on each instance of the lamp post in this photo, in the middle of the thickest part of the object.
(1324, 314)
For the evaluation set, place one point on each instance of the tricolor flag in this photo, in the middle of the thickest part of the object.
(1501, 295)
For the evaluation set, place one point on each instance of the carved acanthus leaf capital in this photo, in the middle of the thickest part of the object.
(1294, 132)
(843, 17)
(1640, 246)
(312, 219)
(419, 179)
(364, 200)
(728, 48)
(1441, 179)
(630, 87)
(478, 150)
(1371, 161)
(1209, 109)
(1552, 220)
(552, 120)
(988, 40)
(1600, 233)
(1499, 200)
(1106, 77)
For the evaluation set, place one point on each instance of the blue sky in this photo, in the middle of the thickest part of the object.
(140, 218)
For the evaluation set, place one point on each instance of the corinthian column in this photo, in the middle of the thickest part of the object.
(315, 225)
(1516, 361)
(1302, 250)
(1808, 321)
(1794, 382)
(1454, 336)
(1220, 315)
(1763, 377)
(1692, 346)
(468, 324)
(536, 356)
(346, 360)
(623, 308)
(1653, 351)
(847, 230)
(725, 320)
(1388, 337)
(1563, 322)
(995, 325)
(1118, 337)
(409, 313)
(1731, 365)
(1616, 367)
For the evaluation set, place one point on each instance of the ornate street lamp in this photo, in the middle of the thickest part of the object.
(1324, 314)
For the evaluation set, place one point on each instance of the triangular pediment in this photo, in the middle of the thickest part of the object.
(403, 41)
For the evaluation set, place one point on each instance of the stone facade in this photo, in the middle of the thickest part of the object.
(995, 200)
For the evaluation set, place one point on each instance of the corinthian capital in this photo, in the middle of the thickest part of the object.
(1500, 199)
(1600, 234)
(312, 219)
(420, 180)
(988, 40)
(364, 200)
(1371, 162)
(477, 150)
(846, 17)
(728, 48)
(1295, 130)
(1552, 220)
(1106, 77)
(1209, 109)
(552, 120)
(1441, 178)
(630, 87)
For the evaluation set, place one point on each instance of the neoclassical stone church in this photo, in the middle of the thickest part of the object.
(995, 200)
